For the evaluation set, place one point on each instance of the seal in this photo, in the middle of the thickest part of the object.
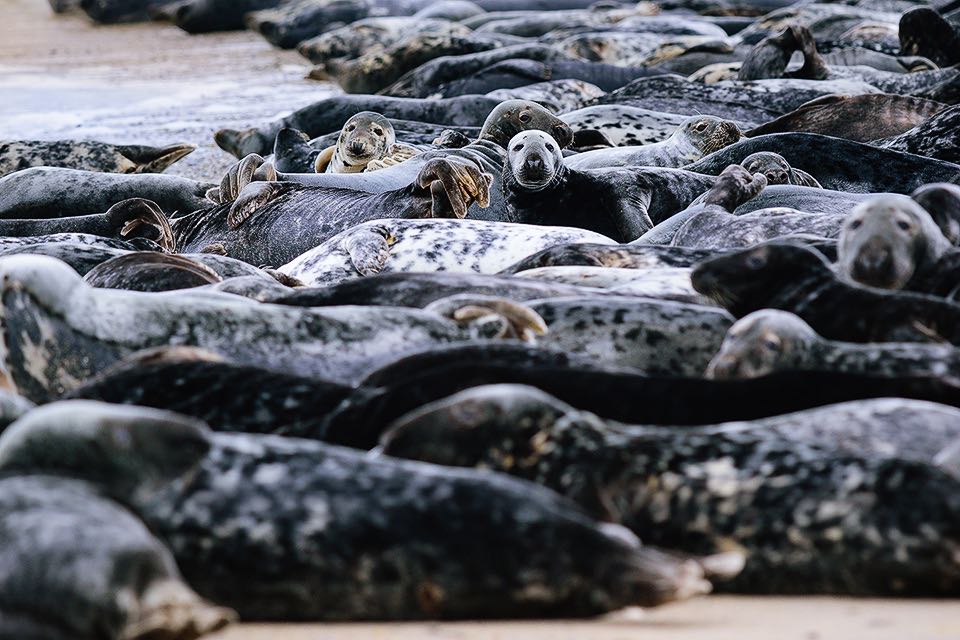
(859, 118)
(81, 251)
(89, 156)
(934, 138)
(716, 229)
(330, 114)
(791, 277)
(293, 153)
(624, 256)
(890, 242)
(378, 513)
(365, 137)
(924, 32)
(114, 11)
(207, 16)
(766, 488)
(624, 126)
(59, 331)
(50, 192)
(942, 202)
(696, 137)
(660, 283)
(539, 188)
(768, 341)
(66, 544)
(120, 221)
(403, 245)
(777, 170)
(151, 271)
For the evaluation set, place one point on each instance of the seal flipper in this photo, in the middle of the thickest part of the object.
(249, 169)
(155, 159)
(496, 318)
(137, 212)
(734, 186)
(241, 143)
(323, 159)
(169, 610)
(368, 248)
(253, 196)
(804, 179)
(292, 152)
(454, 185)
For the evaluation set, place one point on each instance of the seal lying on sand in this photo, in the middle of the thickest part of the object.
(824, 501)
(89, 156)
(769, 340)
(294, 554)
(58, 331)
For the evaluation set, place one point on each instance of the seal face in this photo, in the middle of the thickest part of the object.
(886, 240)
(365, 137)
(759, 344)
(534, 159)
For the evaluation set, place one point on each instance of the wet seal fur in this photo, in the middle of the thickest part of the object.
(778, 490)
(348, 511)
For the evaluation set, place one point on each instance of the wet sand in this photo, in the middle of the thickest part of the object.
(61, 77)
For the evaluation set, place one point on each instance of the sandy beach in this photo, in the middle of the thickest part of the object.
(62, 77)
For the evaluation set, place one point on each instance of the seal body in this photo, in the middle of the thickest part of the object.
(366, 136)
(90, 156)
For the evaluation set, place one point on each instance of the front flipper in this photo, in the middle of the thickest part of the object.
(734, 186)
(493, 318)
(252, 168)
(454, 185)
(369, 249)
(134, 213)
(396, 154)
(253, 196)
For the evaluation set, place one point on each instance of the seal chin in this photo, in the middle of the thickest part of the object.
(538, 183)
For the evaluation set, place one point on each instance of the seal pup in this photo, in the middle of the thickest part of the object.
(89, 156)
(365, 137)
(404, 245)
(791, 277)
(890, 242)
(59, 331)
(769, 340)
(538, 188)
(297, 557)
(859, 118)
(780, 490)
(53, 192)
(696, 137)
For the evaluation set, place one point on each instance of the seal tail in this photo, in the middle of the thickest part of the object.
(156, 159)
(137, 212)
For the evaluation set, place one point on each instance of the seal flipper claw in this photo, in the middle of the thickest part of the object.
(369, 250)
(253, 196)
(137, 212)
(734, 186)
(454, 185)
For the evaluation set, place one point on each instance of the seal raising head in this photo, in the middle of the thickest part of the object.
(534, 159)
(365, 137)
(707, 134)
(886, 240)
(777, 170)
(761, 343)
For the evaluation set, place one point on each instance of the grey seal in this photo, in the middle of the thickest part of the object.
(89, 156)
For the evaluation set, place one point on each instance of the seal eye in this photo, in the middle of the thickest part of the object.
(351, 127)
(756, 261)
(524, 117)
(377, 131)
(551, 148)
(903, 225)
(855, 224)
(700, 126)
(518, 147)
(771, 344)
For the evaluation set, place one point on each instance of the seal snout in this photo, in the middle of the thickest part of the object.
(874, 264)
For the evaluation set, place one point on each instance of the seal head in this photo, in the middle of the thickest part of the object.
(761, 343)
(364, 137)
(886, 240)
(513, 116)
(708, 133)
(535, 160)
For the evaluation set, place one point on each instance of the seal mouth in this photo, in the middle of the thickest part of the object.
(534, 179)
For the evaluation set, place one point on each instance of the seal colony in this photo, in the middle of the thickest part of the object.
(685, 275)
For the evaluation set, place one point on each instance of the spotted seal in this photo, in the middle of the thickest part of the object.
(365, 137)
(51, 192)
(90, 156)
(696, 137)
(777, 170)
(795, 278)
(350, 511)
(859, 118)
(934, 138)
(889, 242)
(624, 256)
(768, 341)
(659, 283)
(59, 331)
(401, 245)
(539, 188)
(624, 126)
(777, 489)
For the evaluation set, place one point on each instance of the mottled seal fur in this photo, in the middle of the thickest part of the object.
(150, 271)
(624, 126)
(889, 241)
(49, 192)
(89, 156)
(781, 490)
(58, 331)
(696, 137)
(398, 245)
(934, 138)
(297, 557)
(628, 256)
(791, 277)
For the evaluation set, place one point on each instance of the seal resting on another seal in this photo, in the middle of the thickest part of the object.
(539, 188)
(696, 137)
(365, 137)
(277, 527)
(768, 341)
(791, 277)
(780, 490)
(777, 170)
(889, 242)
(89, 156)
